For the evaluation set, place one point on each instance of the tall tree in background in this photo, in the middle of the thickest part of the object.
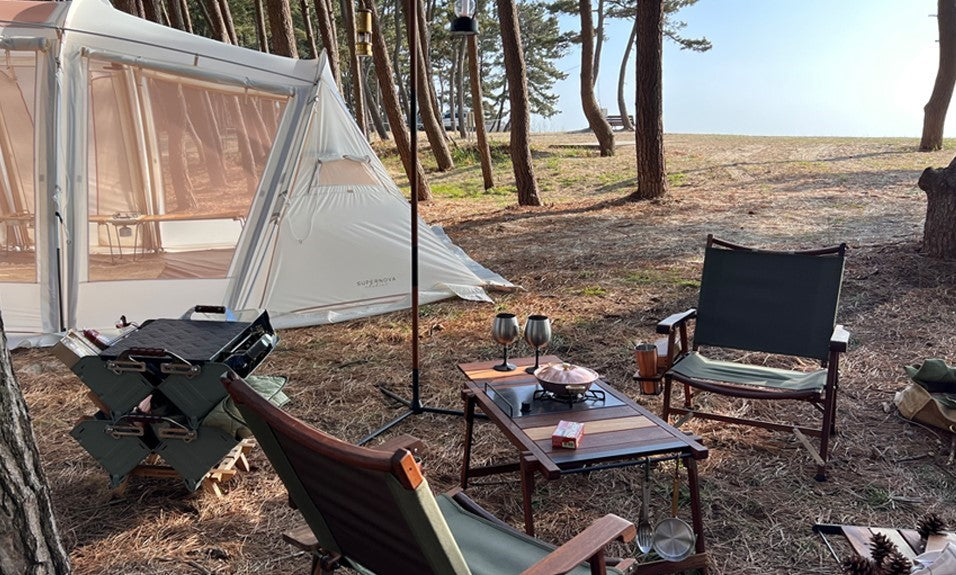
(651, 176)
(29, 540)
(934, 113)
(477, 106)
(330, 41)
(355, 64)
(383, 71)
(280, 25)
(672, 31)
(592, 110)
(518, 95)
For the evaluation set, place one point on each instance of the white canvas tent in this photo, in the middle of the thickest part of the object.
(144, 170)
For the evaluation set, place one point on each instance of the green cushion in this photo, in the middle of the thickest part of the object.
(696, 366)
(490, 549)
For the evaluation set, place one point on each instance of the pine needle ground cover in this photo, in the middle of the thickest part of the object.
(606, 271)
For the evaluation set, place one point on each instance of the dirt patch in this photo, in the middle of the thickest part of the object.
(606, 270)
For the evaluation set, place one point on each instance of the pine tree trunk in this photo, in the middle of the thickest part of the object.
(175, 10)
(651, 175)
(372, 109)
(518, 94)
(355, 63)
(29, 541)
(227, 19)
(280, 25)
(621, 77)
(396, 120)
(262, 37)
(214, 17)
(939, 229)
(592, 110)
(460, 91)
(598, 42)
(329, 40)
(309, 31)
(430, 120)
(477, 106)
(934, 113)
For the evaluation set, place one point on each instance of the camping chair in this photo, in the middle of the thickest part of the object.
(764, 301)
(372, 510)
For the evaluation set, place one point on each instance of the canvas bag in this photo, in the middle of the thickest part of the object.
(917, 404)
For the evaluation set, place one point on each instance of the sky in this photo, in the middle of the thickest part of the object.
(781, 67)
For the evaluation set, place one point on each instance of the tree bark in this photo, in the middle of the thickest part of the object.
(280, 25)
(214, 15)
(939, 229)
(373, 110)
(518, 94)
(261, 35)
(355, 63)
(29, 540)
(309, 31)
(592, 110)
(477, 107)
(460, 90)
(621, 77)
(175, 10)
(329, 40)
(651, 174)
(230, 25)
(599, 42)
(383, 68)
(429, 118)
(934, 113)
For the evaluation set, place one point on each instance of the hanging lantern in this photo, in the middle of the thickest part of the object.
(465, 23)
(363, 33)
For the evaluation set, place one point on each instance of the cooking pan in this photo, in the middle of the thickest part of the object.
(673, 538)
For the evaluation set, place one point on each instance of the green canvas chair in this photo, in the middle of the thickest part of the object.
(371, 509)
(764, 301)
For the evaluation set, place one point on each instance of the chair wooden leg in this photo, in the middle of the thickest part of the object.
(666, 408)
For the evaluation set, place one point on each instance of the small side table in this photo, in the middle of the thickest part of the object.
(618, 433)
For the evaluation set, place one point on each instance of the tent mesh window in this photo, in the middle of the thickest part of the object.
(174, 163)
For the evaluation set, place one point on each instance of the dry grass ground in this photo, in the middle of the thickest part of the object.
(606, 271)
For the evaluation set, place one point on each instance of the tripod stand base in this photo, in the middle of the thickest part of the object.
(412, 409)
(505, 367)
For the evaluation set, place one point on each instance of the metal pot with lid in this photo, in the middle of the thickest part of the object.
(565, 379)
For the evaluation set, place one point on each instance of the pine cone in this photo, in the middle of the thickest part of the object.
(896, 564)
(932, 524)
(857, 565)
(880, 548)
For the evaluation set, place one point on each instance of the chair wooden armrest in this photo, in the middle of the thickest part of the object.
(587, 545)
(839, 339)
(668, 324)
(404, 441)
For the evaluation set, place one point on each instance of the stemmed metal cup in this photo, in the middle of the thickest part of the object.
(505, 331)
(537, 332)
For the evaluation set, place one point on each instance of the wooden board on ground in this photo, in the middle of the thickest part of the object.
(232, 463)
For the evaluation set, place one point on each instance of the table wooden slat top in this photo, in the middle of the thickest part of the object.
(615, 427)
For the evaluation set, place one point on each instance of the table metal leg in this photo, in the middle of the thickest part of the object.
(469, 432)
(528, 463)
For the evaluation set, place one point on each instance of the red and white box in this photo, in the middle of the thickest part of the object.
(567, 434)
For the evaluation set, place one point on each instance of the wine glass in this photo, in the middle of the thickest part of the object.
(505, 331)
(537, 332)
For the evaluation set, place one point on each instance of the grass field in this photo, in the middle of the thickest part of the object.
(606, 270)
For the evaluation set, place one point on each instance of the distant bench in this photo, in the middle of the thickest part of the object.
(617, 121)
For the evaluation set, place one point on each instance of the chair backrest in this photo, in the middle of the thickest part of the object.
(372, 507)
(768, 301)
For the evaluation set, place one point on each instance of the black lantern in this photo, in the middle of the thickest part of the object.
(465, 23)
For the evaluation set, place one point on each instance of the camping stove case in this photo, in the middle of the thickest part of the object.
(177, 364)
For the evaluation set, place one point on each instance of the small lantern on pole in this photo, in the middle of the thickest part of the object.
(363, 32)
(465, 23)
